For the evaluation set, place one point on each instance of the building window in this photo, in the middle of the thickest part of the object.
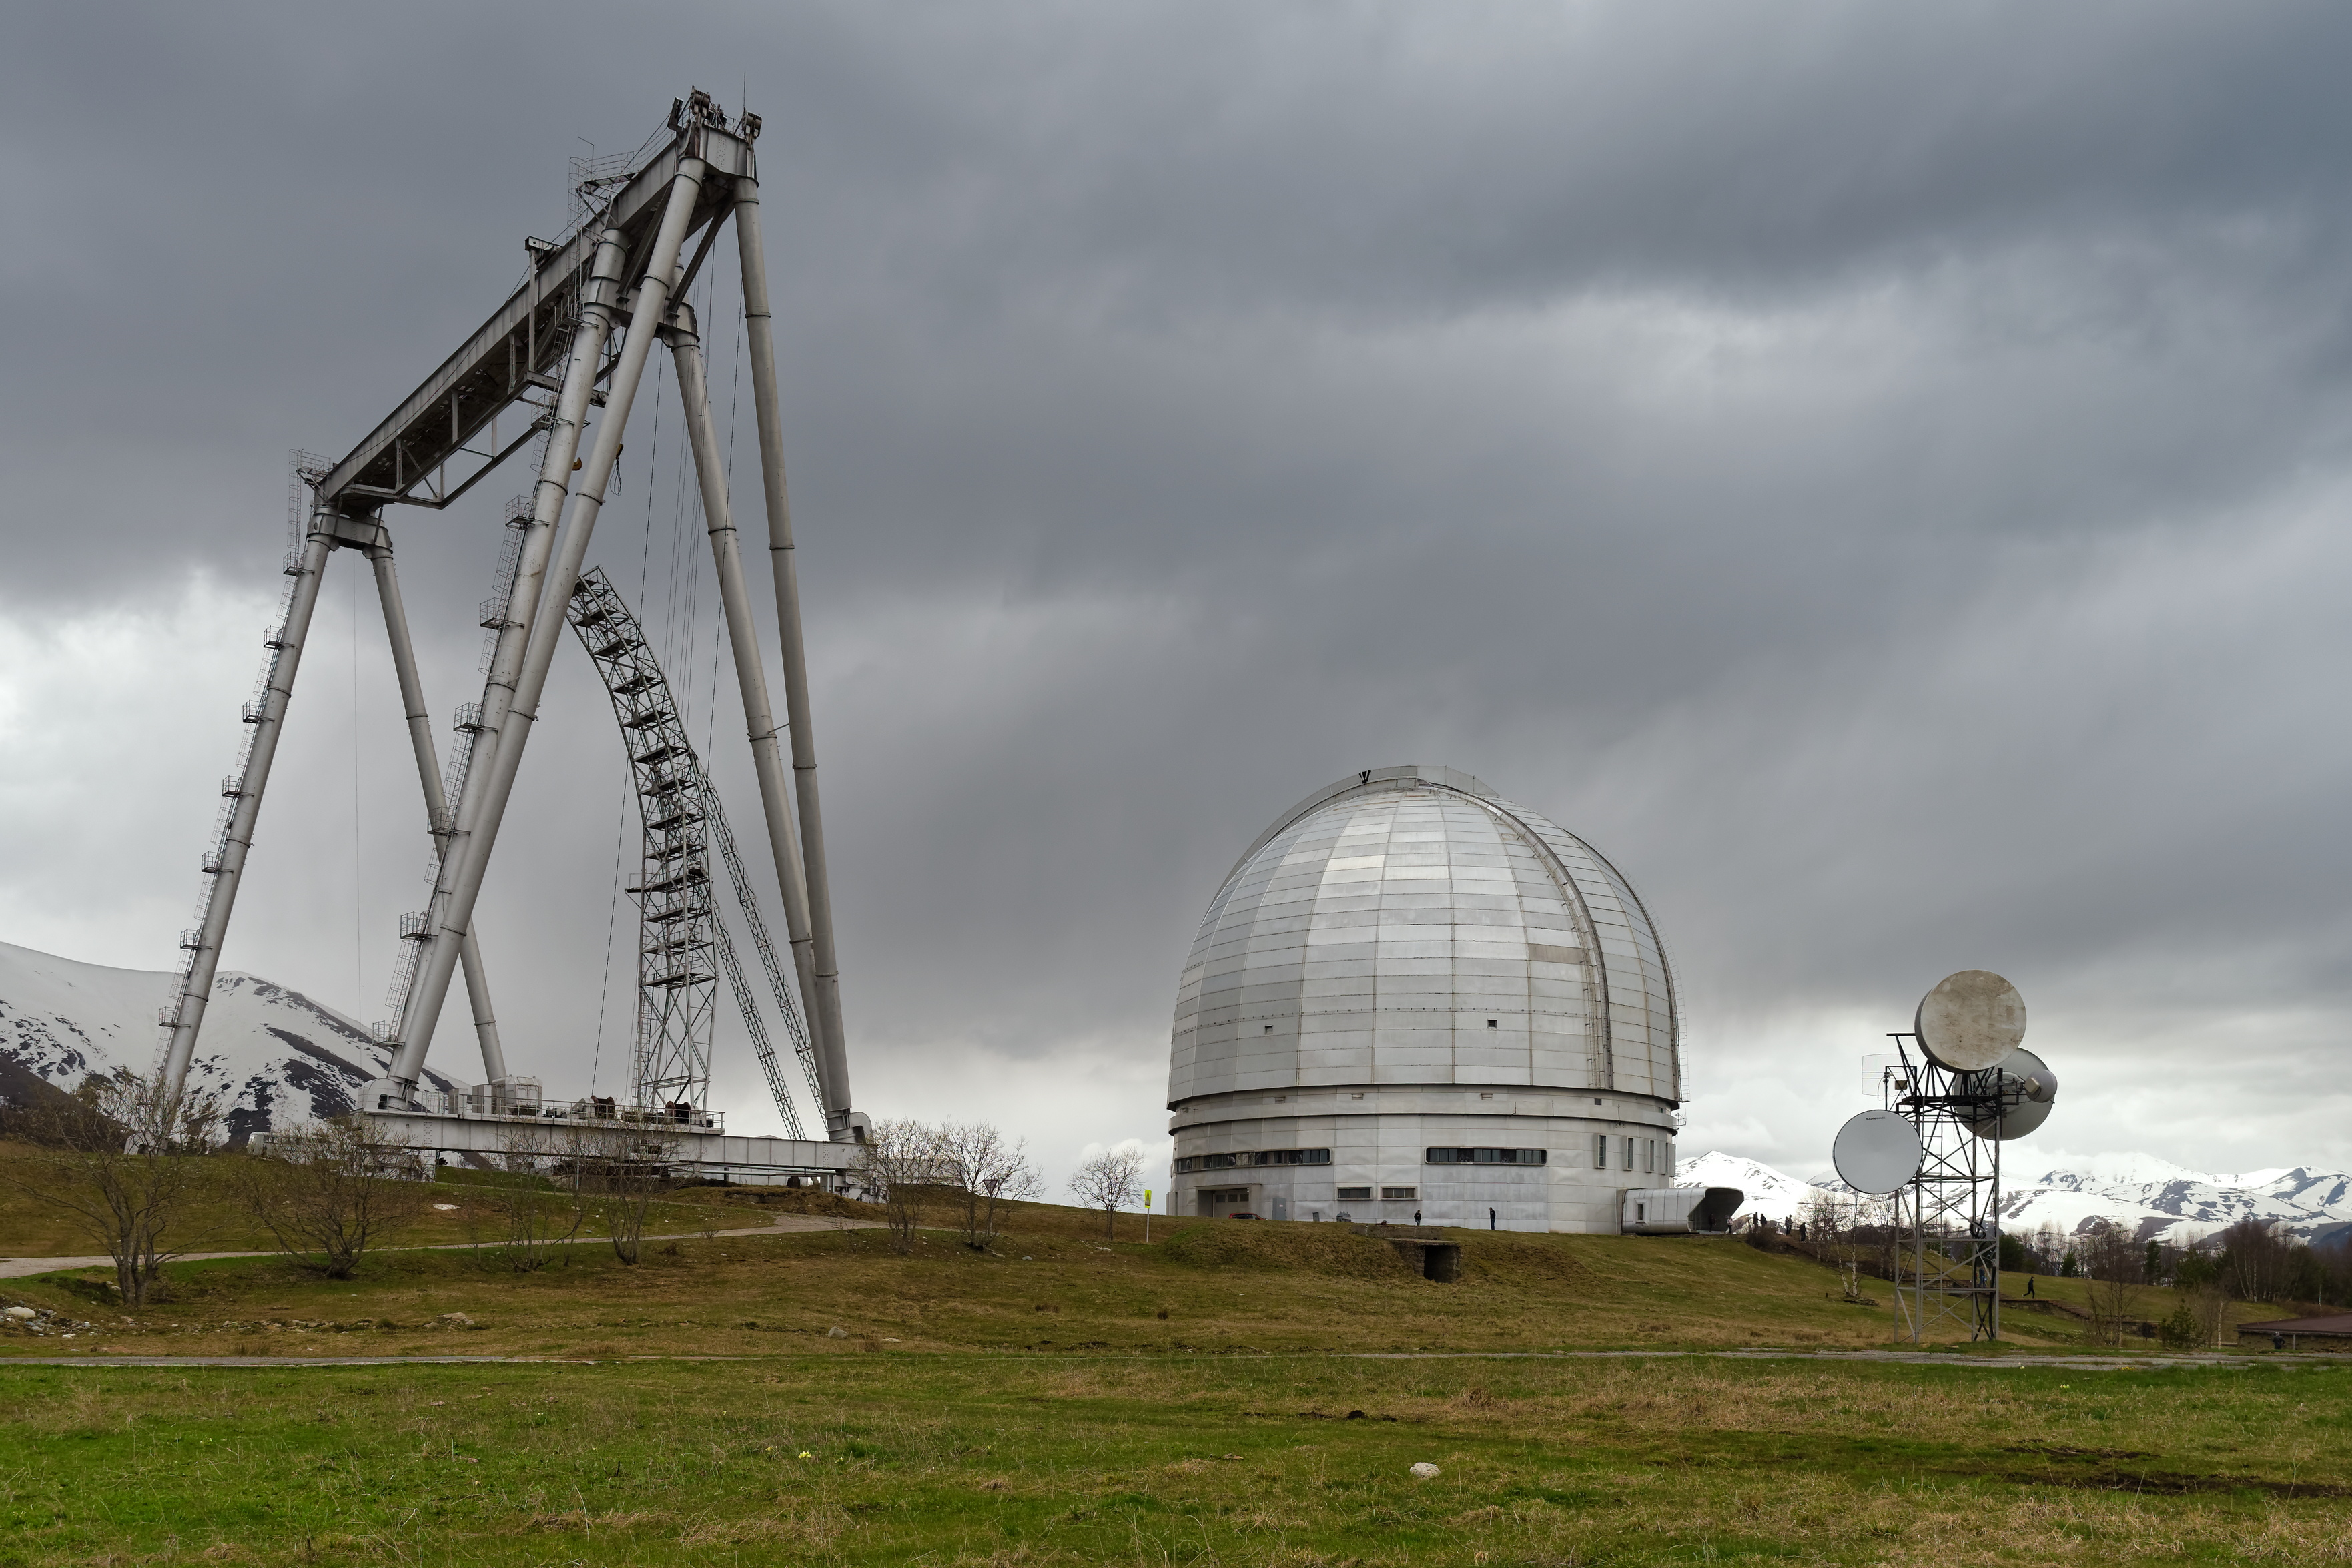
(1398, 1194)
(1191, 1162)
(1355, 1194)
(1629, 1155)
(1484, 1156)
(1649, 1154)
(1600, 1151)
(1493, 1023)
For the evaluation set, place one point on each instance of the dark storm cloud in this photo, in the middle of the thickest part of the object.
(1872, 471)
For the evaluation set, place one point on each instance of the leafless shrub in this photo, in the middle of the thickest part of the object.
(617, 1172)
(2113, 1263)
(130, 1157)
(901, 1160)
(2202, 1278)
(1110, 1181)
(326, 1192)
(985, 1173)
(537, 1208)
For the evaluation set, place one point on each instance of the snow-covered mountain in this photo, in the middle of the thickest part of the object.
(2172, 1204)
(2155, 1197)
(1770, 1192)
(280, 1056)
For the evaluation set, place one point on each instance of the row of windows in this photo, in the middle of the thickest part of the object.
(1485, 1156)
(1627, 1151)
(1387, 1194)
(1191, 1162)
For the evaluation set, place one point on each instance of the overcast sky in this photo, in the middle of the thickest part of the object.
(1876, 473)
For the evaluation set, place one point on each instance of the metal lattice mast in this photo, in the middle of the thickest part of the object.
(1947, 1220)
(678, 924)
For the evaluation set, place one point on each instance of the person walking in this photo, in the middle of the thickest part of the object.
(1490, 1219)
(1416, 1216)
(2028, 1288)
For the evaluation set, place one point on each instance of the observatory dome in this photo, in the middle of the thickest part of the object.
(1410, 995)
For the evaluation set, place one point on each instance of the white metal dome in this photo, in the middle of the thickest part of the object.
(1404, 926)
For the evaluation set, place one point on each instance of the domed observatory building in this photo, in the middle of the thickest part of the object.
(1411, 996)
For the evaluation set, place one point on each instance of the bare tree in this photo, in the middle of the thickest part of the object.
(1108, 1181)
(986, 1173)
(326, 1192)
(1841, 1230)
(2203, 1285)
(618, 1171)
(533, 1212)
(2112, 1264)
(128, 1159)
(2254, 1258)
(901, 1160)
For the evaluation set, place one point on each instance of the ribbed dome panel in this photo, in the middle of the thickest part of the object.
(1406, 927)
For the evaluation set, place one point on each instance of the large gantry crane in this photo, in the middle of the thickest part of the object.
(575, 336)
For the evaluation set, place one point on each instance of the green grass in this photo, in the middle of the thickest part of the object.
(216, 1222)
(896, 1458)
(1059, 1397)
(1049, 1285)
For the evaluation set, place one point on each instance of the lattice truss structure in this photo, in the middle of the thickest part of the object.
(1947, 1220)
(679, 932)
(574, 338)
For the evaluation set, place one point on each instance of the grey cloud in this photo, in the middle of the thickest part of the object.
(1872, 472)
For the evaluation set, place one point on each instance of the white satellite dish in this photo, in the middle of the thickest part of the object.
(2029, 1090)
(1970, 1021)
(1876, 1153)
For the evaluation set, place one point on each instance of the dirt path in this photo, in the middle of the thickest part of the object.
(24, 1268)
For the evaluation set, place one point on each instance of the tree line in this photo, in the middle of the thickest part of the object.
(2252, 1260)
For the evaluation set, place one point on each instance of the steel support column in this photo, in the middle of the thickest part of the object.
(453, 904)
(436, 804)
(751, 675)
(825, 1003)
(564, 426)
(225, 863)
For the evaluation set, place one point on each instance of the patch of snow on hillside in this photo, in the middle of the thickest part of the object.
(277, 1057)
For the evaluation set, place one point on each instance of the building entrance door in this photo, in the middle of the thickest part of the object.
(1217, 1202)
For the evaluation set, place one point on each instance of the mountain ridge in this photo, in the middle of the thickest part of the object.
(2156, 1199)
(276, 1055)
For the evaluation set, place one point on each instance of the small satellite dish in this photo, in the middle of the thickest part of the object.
(1970, 1021)
(2029, 1090)
(1876, 1153)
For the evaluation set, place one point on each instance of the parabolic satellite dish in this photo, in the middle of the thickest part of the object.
(1876, 1153)
(2027, 1091)
(1970, 1021)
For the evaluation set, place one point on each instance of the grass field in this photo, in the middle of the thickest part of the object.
(1049, 1284)
(897, 1458)
(216, 1222)
(1061, 1398)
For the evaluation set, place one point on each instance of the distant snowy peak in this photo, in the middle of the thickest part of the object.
(2153, 1197)
(1769, 1192)
(277, 1055)
(2181, 1207)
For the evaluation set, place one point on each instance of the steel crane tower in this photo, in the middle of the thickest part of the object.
(575, 337)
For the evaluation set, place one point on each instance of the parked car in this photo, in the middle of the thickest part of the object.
(1244, 1215)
